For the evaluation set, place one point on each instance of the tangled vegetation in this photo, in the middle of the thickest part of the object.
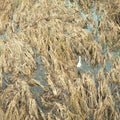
(40, 41)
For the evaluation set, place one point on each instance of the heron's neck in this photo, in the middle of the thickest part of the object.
(79, 58)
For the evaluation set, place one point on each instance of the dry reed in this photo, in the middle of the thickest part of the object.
(57, 32)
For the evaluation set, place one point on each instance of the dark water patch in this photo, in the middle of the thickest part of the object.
(116, 54)
(108, 65)
(39, 75)
(70, 3)
(83, 15)
(5, 80)
(89, 26)
(3, 36)
(17, 29)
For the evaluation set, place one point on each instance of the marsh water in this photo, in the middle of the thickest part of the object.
(39, 75)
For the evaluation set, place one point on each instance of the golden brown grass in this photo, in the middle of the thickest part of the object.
(57, 32)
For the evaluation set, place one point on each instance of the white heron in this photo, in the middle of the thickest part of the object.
(79, 62)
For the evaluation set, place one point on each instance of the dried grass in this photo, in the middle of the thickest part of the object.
(56, 31)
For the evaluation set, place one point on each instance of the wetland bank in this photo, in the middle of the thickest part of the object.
(40, 42)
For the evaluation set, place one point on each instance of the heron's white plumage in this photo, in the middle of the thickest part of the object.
(79, 62)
